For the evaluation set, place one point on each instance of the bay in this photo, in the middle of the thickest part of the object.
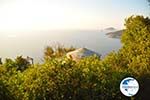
(32, 44)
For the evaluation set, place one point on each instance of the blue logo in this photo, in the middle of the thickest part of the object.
(129, 86)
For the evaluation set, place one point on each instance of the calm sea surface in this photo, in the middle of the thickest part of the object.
(33, 43)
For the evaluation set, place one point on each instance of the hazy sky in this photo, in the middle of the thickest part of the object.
(16, 15)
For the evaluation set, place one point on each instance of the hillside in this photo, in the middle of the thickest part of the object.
(116, 34)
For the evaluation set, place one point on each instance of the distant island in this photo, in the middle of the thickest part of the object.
(115, 34)
(110, 29)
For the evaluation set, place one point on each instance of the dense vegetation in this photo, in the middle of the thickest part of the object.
(91, 78)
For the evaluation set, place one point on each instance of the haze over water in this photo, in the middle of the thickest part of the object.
(33, 43)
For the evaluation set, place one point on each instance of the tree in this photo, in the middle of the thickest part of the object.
(21, 63)
(56, 52)
(48, 52)
(136, 44)
(0, 61)
(9, 63)
(5, 93)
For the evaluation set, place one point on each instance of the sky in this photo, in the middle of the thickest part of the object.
(29, 15)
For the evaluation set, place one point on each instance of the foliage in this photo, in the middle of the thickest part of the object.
(136, 44)
(4, 93)
(57, 51)
(65, 79)
(91, 78)
(19, 63)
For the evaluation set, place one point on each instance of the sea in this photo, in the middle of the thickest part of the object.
(33, 43)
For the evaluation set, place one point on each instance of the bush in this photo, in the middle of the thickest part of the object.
(88, 79)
